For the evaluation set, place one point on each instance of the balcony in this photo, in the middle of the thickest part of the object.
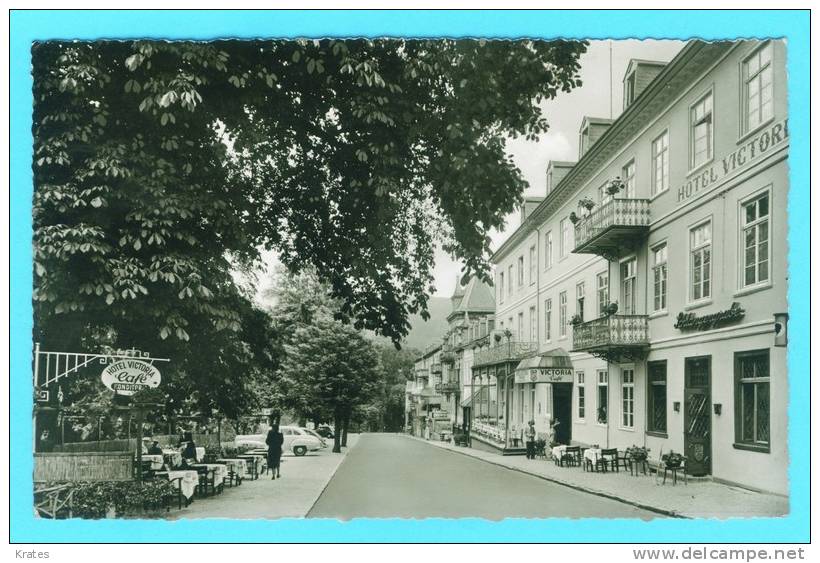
(435, 369)
(505, 352)
(614, 338)
(422, 373)
(448, 388)
(612, 227)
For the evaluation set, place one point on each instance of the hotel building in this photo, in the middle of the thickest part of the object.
(642, 300)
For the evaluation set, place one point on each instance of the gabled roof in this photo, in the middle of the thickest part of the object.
(637, 62)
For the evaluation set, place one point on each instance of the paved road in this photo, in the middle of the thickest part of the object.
(388, 475)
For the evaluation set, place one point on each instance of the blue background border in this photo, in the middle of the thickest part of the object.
(28, 26)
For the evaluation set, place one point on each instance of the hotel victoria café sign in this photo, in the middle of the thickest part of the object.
(751, 149)
(126, 377)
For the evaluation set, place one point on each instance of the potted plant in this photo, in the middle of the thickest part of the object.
(638, 453)
(497, 337)
(576, 320)
(601, 415)
(574, 218)
(614, 186)
(611, 309)
(672, 459)
(586, 203)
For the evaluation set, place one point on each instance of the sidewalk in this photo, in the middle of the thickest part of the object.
(302, 482)
(698, 499)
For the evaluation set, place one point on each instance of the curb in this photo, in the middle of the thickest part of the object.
(662, 511)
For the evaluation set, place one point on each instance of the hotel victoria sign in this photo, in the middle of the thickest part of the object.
(126, 377)
(690, 321)
(751, 149)
(544, 375)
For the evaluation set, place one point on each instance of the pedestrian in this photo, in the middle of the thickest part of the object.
(529, 435)
(553, 436)
(274, 441)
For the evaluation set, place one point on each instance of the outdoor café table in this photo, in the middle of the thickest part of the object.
(189, 481)
(220, 473)
(238, 465)
(252, 464)
(558, 451)
(592, 455)
(172, 457)
(156, 461)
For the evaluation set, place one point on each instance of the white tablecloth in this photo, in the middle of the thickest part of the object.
(558, 451)
(173, 457)
(259, 459)
(190, 479)
(219, 475)
(237, 465)
(156, 461)
(592, 455)
(200, 453)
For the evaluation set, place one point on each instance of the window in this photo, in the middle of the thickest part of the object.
(532, 264)
(501, 287)
(520, 271)
(628, 177)
(700, 261)
(660, 163)
(509, 281)
(533, 325)
(758, 89)
(628, 398)
(603, 396)
(579, 295)
(628, 275)
(756, 240)
(562, 313)
(548, 320)
(565, 234)
(603, 293)
(659, 277)
(701, 131)
(521, 326)
(752, 398)
(548, 249)
(581, 396)
(656, 397)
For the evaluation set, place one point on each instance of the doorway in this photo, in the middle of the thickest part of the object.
(697, 421)
(562, 411)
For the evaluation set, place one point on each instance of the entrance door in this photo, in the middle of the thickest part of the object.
(562, 411)
(697, 421)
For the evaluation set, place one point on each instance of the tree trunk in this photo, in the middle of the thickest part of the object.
(337, 424)
(345, 423)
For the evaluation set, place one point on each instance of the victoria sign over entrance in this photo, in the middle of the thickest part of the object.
(126, 377)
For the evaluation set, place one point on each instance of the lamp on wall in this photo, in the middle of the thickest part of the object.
(676, 406)
(781, 329)
(718, 408)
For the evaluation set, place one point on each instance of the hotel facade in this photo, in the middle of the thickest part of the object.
(642, 300)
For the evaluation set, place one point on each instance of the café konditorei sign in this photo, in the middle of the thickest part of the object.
(751, 149)
(544, 375)
(126, 377)
(690, 321)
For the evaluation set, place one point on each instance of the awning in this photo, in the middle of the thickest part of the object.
(553, 366)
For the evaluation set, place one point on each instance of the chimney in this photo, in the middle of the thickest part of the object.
(528, 206)
(639, 74)
(591, 130)
(556, 170)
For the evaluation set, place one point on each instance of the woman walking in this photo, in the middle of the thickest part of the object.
(274, 441)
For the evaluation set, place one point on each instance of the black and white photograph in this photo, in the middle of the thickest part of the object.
(399, 277)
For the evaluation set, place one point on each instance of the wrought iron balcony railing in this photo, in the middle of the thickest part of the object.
(435, 368)
(612, 227)
(449, 387)
(612, 337)
(505, 351)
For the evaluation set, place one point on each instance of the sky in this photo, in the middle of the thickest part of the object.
(564, 114)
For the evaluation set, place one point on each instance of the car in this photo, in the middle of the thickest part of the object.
(314, 433)
(325, 432)
(296, 440)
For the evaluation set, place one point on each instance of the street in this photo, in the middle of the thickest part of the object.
(388, 475)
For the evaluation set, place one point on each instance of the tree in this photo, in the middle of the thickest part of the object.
(328, 364)
(160, 167)
(385, 413)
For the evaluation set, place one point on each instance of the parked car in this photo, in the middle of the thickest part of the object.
(314, 433)
(296, 440)
(325, 432)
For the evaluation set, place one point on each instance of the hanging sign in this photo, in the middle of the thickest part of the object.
(126, 377)
(690, 321)
(751, 150)
(544, 375)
